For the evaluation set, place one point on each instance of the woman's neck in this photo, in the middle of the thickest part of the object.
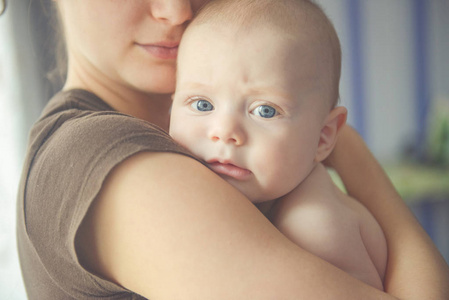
(153, 108)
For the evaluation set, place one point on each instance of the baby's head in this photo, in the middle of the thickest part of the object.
(257, 84)
(301, 24)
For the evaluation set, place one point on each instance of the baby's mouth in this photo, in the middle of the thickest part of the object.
(229, 170)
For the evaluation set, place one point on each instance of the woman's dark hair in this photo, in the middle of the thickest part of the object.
(2, 6)
(55, 54)
(48, 38)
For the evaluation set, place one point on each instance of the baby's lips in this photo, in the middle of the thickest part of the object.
(230, 170)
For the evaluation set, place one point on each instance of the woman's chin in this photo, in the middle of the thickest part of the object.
(159, 86)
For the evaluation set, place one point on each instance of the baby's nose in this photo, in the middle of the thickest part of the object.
(229, 131)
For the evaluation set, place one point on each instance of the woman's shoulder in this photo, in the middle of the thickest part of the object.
(73, 148)
(79, 121)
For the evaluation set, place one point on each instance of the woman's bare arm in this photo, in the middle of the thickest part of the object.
(166, 227)
(416, 270)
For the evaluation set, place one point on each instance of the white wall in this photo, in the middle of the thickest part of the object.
(389, 61)
(19, 91)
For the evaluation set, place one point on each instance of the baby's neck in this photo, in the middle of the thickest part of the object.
(317, 184)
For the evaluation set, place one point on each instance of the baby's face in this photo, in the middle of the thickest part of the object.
(252, 107)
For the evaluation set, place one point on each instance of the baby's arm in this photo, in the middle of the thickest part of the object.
(323, 221)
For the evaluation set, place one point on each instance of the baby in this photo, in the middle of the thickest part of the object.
(257, 88)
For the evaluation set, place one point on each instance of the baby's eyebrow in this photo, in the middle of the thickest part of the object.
(266, 90)
(194, 85)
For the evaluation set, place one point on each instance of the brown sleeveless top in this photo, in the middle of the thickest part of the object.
(71, 150)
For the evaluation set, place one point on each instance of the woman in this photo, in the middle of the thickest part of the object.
(109, 206)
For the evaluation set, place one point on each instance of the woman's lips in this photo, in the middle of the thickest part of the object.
(166, 50)
(230, 170)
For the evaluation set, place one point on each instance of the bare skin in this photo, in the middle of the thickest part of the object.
(325, 221)
(205, 243)
(151, 231)
(409, 247)
(211, 249)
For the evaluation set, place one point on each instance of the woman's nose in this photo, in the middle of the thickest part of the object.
(228, 130)
(172, 12)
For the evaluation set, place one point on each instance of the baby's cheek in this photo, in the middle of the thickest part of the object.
(174, 132)
(290, 170)
(194, 145)
(271, 175)
(179, 135)
(184, 141)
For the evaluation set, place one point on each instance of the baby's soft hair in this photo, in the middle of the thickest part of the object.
(285, 15)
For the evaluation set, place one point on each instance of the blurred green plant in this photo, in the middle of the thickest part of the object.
(438, 136)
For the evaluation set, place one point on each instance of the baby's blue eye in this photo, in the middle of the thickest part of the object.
(202, 105)
(265, 111)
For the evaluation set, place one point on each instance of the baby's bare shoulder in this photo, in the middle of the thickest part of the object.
(317, 216)
(335, 227)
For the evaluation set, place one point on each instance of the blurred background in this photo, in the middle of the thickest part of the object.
(395, 83)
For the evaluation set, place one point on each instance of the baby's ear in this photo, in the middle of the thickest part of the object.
(328, 136)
